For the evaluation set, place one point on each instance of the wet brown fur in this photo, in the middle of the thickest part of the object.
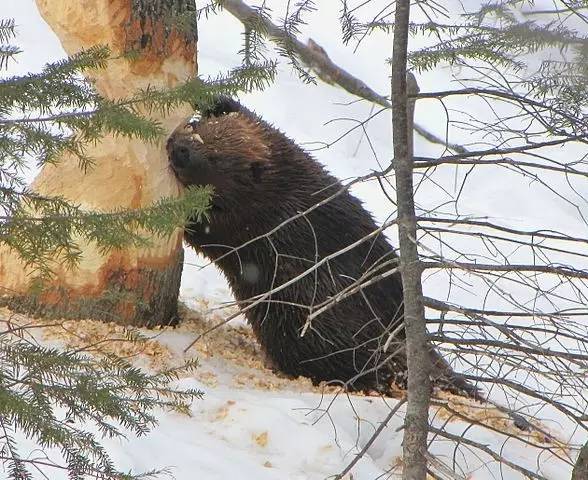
(261, 179)
(235, 133)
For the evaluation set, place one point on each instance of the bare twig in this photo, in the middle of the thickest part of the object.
(372, 439)
(499, 458)
(317, 59)
(548, 234)
(563, 271)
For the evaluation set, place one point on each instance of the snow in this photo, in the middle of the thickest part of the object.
(281, 428)
(259, 433)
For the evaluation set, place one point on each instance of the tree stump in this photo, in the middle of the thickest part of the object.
(133, 286)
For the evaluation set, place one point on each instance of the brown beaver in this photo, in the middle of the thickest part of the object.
(261, 179)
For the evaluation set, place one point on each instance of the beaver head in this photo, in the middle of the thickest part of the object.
(227, 147)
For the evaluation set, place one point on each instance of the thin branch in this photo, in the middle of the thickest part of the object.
(534, 350)
(447, 307)
(521, 149)
(372, 439)
(506, 96)
(316, 58)
(423, 162)
(548, 234)
(474, 267)
(458, 439)
(262, 297)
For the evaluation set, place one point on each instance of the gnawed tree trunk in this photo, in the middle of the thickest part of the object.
(134, 286)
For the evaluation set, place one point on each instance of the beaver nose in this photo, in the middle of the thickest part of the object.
(180, 156)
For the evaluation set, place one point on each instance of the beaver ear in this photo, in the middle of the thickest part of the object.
(256, 171)
(217, 106)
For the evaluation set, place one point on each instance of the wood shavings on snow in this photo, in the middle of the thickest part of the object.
(20, 325)
(237, 349)
(109, 338)
(237, 345)
(261, 439)
(397, 466)
(222, 412)
(487, 415)
(208, 378)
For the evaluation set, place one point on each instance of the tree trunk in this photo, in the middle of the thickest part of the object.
(416, 424)
(581, 468)
(133, 286)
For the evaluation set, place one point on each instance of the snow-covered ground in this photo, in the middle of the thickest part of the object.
(253, 424)
(272, 428)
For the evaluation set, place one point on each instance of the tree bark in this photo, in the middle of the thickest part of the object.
(134, 286)
(580, 471)
(417, 345)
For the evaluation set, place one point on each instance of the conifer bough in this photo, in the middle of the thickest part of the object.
(138, 285)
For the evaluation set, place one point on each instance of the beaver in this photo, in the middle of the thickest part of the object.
(265, 236)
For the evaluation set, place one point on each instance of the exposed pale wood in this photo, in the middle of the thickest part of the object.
(128, 173)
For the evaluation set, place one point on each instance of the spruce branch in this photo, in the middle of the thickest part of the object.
(43, 230)
(7, 30)
(49, 395)
(60, 115)
(53, 396)
(7, 53)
